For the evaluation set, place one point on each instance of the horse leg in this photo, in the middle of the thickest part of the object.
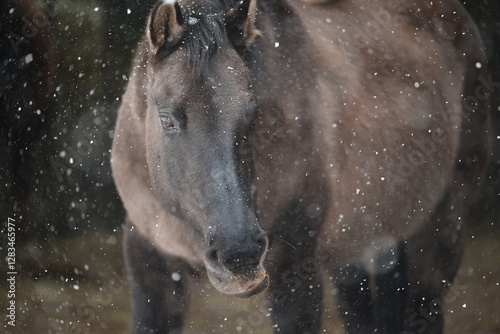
(296, 294)
(354, 298)
(433, 258)
(391, 293)
(159, 294)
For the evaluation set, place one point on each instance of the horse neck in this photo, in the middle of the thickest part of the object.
(276, 61)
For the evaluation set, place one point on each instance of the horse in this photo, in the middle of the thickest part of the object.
(277, 144)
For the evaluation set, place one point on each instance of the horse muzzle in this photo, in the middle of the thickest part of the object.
(236, 268)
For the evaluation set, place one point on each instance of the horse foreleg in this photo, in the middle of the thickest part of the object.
(433, 258)
(158, 286)
(391, 295)
(296, 296)
(354, 298)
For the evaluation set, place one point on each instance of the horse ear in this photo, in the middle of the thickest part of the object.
(165, 24)
(240, 24)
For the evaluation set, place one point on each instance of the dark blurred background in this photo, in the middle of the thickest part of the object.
(63, 68)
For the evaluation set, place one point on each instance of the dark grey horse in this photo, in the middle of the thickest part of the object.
(269, 143)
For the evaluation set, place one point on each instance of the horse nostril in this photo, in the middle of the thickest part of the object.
(212, 256)
(240, 257)
(246, 259)
(262, 242)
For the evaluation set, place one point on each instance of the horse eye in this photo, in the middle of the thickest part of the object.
(166, 122)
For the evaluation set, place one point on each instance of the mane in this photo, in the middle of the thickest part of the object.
(205, 32)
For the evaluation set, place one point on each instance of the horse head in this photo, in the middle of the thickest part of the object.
(200, 115)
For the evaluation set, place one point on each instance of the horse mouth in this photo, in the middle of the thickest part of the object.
(239, 286)
(255, 289)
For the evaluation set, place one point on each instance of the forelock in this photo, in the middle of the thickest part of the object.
(205, 32)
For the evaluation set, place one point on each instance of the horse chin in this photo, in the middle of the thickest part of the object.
(255, 289)
(239, 286)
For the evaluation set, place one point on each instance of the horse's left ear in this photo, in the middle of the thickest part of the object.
(240, 24)
(165, 26)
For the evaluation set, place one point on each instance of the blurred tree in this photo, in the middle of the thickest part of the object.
(27, 86)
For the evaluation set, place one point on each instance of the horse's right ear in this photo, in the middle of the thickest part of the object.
(165, 24)
(240, 24)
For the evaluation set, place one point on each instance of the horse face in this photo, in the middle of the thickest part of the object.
(198, 125)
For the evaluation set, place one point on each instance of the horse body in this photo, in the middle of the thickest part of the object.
(334, 94)
(342, 132)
